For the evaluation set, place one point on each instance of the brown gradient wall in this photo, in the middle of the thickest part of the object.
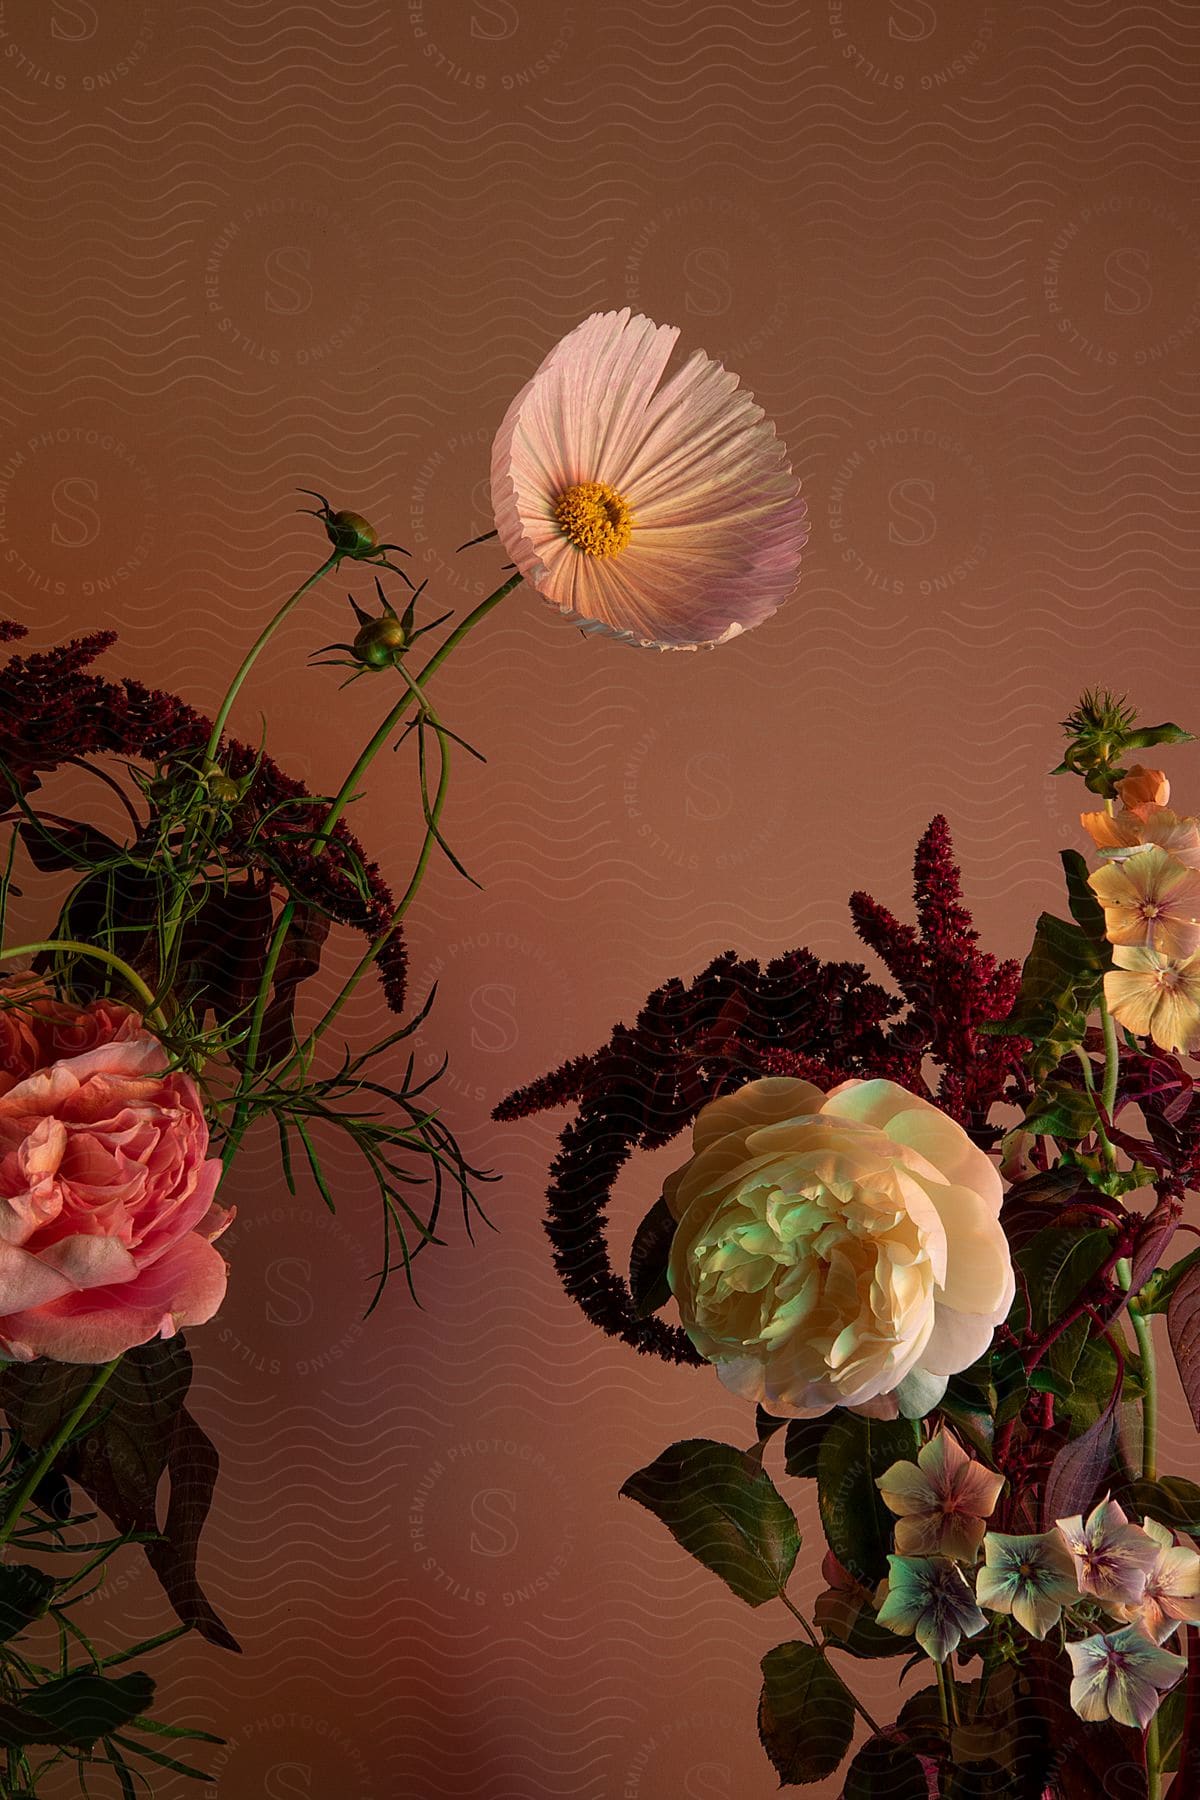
(954, 248)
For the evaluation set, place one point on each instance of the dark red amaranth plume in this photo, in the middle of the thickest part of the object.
(819, 1021)
(54, 711)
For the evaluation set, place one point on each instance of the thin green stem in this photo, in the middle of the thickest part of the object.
(45, 1461)
(1153, 1761)
(343, 797)
(74, 947)
(821, 1651)
(1108, 1093)
(1143, 1332)
(349, 787)
(258, 646)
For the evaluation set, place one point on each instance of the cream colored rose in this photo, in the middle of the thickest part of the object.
(838, 1249)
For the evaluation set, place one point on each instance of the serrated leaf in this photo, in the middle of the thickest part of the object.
(725, 1511)
(805, 1714)
(888, 1765)
(1183, 1329)
(802, 1445)
(648, 1260)
(858, 1526)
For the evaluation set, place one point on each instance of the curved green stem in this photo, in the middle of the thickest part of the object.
(49, 1451)
(349, 787)
(1153, 1761)
(122, 968)
(822, 1652)
(343, 797)
(258, 646)
(1108, 1093)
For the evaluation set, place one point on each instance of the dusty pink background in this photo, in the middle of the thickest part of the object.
(955, 250)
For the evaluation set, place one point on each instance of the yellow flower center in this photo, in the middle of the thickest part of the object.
(595, 517)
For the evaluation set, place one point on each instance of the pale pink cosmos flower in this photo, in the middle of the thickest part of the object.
(942, 1500)
(1121, 1675)
(663, 513)
(1112, 1558)
(1172, 1593)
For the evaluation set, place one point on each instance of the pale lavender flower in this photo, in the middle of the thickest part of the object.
(1032, 1578)
(929, 1597)
(1112, 1557)
(1122, 1675)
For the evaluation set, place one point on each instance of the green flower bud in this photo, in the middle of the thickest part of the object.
(350, 533)
(380, 643)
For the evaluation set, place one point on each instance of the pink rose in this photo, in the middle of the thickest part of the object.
(107, 1212)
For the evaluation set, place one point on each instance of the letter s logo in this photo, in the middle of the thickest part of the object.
(288, 1781)
(709, 788)
(708, 291)
(81, 522)
(912, 22)
(287, 270)
(494, 1511)
(501, 15)
(1128, 288)
(289, 1281)
(912, 524)
(85, 19)
(492, 1006)
(708, 1781)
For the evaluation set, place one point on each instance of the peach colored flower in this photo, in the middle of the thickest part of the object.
(107, 1206)
(1122, 834)
(1156, 997)
(1143, 788)
(832, 1249)
(666, 516)
(942, 1500)
(1150, 898)
(1172, 1594)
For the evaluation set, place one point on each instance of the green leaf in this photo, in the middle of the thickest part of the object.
(1060, 981)
(725, 1511)
(1147, 736)
(802, 1445)
(74, 1709)
(886, 1765)
(25, 1594)
(805, 1714)
(1086, 910)
(1172, 1500)
(858, 1526)
(648, 1260)
(1061, 1111)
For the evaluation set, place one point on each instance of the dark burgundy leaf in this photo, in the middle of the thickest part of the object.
(1183, 1328)
(138, 1431)
(300, 958)
(1080, 1467)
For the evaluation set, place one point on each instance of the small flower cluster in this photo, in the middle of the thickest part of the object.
(1137, 1575)
(1149, 888)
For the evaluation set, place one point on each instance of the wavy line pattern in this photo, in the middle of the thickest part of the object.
(955, 250)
